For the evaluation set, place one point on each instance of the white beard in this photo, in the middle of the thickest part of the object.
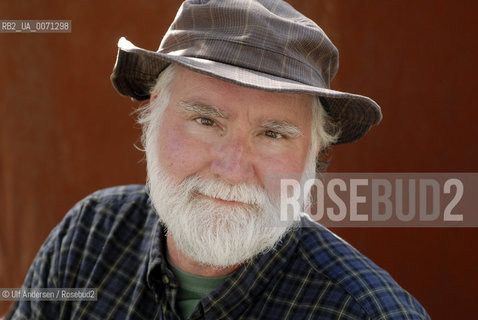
(212, 233)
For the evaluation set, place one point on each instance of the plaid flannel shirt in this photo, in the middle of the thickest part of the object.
(113, 241)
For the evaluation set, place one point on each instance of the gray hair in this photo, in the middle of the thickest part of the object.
(324, 132)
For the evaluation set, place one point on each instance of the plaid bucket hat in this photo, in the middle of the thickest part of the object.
(261, 44)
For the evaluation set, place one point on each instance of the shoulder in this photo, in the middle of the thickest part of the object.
(359, 279)
(105, 225)
(116, 198)
(108, 233)
(111, 206)
(119, 210)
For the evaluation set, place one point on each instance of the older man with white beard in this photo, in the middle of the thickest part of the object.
(239, 91)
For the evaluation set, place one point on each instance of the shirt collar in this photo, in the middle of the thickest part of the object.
(243, 286)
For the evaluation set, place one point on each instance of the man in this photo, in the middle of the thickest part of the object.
(239, 91)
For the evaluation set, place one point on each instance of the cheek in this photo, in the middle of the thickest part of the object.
(180, 154)
(284, 159)
(286, 166)
(282, 164)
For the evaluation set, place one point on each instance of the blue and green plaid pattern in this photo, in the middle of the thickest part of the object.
(113, 241)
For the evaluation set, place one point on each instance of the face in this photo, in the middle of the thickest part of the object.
(208, 161)
(226, 132)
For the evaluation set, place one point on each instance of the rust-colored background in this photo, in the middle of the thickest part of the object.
(65, 132)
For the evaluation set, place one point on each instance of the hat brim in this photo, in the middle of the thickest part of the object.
(136, 71)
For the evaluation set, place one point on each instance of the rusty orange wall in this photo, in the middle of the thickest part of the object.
(64, 132)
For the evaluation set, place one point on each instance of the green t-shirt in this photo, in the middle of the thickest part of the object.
(192, 288)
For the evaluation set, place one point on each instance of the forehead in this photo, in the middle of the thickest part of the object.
(189, 86)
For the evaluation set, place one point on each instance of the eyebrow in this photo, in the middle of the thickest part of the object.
(283, 127)
(203, 109)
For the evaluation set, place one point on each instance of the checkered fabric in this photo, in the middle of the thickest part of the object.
(262, 44)
(113, 241)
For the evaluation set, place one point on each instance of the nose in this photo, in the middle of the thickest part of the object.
(233, 160)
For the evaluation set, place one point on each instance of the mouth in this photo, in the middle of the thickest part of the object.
(218, 200)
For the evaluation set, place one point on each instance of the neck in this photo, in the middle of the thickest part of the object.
(190, 265)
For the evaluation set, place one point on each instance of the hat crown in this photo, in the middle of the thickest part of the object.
(268, 36)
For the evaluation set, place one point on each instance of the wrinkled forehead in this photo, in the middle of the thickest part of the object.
(190, 87)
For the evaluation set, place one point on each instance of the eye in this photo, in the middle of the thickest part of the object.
(205, 121)
(273, 134)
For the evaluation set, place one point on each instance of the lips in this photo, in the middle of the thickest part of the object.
(218, 200)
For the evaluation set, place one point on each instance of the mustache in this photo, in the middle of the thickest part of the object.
(248, 194)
